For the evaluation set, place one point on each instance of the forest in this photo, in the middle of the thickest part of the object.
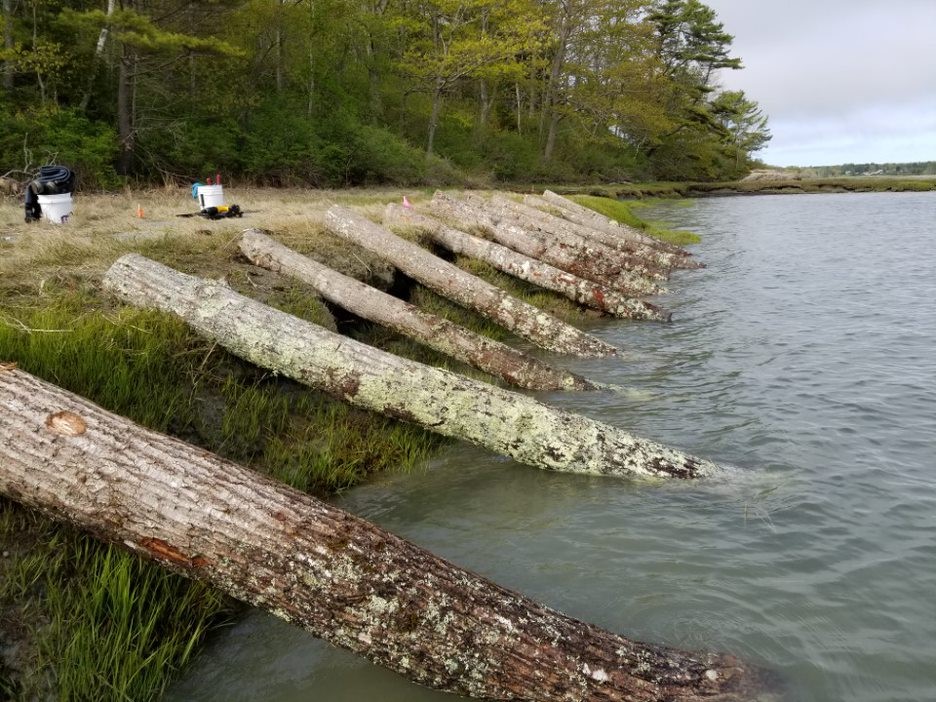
(363, 92)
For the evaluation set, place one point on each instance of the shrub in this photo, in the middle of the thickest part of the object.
(51, 134)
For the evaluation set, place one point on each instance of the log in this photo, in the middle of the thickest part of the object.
(337, 576)
(615, 227)
(579, 290)
(572, 234)
(493, 357)
(607, 234)
(603, 257)
(465, 289)
(580, 262)
(505, 422)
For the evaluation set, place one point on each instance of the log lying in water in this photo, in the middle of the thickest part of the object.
(572, 234)
(607, 234)
(608, 258)
(578, 261)
(580, 213)
(503, 421)
(336, 575)
(584, 292)
(467, 290)
(491, 356)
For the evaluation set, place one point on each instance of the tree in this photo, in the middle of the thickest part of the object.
(463, 39)
(691, 47)
(744, 122)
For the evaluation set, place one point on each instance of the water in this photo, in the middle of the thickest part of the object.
(803, 355)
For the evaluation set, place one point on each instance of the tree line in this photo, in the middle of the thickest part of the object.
(342, 92)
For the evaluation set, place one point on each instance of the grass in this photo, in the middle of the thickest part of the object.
(766, 185)
(86, 621)
(622, 211)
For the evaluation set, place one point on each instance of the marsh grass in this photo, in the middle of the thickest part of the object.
(89, 621)
(110, 625)
(92, 622)
(622, 211)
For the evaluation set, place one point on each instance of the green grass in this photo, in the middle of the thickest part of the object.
(91, 621)
(622, 211)
(108, 623)
(102, 623)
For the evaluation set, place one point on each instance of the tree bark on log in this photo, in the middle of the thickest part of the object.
(465, 289)
(580, 262)
(579, 290)
(568, 233)
(500, 420)
(657, 262)
(338, 576)
(493, 357)
(593, 218)
(606, 234)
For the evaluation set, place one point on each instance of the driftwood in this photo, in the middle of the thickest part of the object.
(467, 290)
(503, 421)
(606, 233)
(576, 260)
(576, 212)
(569, 233)
(318, 567)
(491, 356)
(584, 292)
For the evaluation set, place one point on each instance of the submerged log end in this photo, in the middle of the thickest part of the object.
(654, 313)
(649, 459)
(725, 678)
(686, 262)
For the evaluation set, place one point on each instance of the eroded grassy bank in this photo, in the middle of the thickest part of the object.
(83, 620)
(761, 186)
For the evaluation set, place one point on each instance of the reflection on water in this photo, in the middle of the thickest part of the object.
(803, 357)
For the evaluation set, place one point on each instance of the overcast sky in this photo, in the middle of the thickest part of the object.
(843, 81)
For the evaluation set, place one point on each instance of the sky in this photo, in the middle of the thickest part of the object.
(842, 81)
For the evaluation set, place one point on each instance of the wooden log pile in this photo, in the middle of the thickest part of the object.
(493, 357)
(504, 422)
(549, 227)
(339, 577)
(580, 261)
(343, 579)
(577, 213)
(465, 289)
(531, 270)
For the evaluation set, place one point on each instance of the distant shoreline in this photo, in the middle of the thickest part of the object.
(759, 186)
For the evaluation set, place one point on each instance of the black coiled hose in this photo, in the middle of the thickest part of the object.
(52, 180)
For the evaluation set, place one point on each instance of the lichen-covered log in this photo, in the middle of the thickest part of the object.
(606, 233)
(584, 292)
(465, 289)
(503, 421)
(500, 360)
(549, 226)
(592, 218)
(575, 260)
(336, 575)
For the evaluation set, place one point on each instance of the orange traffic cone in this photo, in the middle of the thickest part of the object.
(140, 211)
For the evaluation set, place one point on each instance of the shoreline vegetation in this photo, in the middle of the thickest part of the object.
(770, 183)
(84, 620)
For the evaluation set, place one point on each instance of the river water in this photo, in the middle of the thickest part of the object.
(805, 356)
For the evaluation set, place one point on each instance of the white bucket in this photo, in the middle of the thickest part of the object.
(210, 196)
(56, 208)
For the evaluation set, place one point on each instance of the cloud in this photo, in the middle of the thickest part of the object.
(838, 78)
